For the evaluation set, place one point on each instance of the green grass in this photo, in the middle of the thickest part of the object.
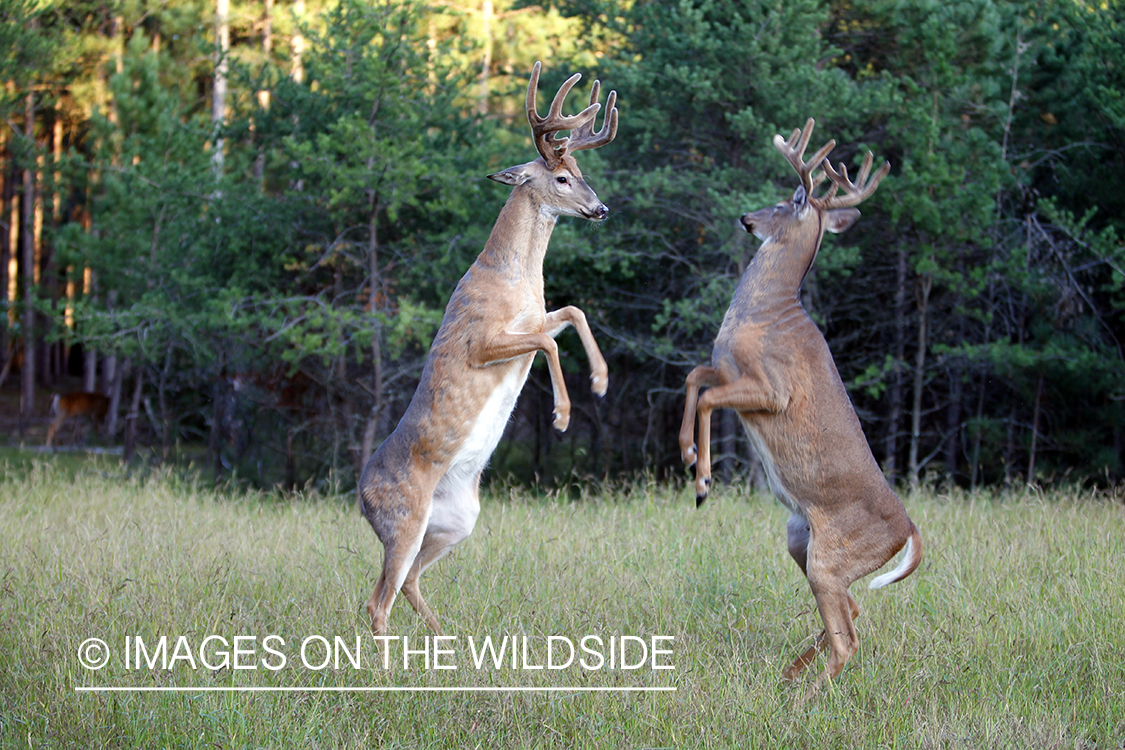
(1007, 636)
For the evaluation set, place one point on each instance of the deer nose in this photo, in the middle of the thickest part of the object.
(748, 222)
(599, 213)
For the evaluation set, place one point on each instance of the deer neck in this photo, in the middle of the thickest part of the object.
(772, 281)
(518, 242)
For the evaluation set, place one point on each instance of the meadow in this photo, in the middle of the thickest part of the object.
(1008, 635)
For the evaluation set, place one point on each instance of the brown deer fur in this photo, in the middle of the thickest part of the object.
(419, 490)
(772, 365)
(79, 403)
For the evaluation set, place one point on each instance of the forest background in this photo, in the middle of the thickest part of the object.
(242, 220)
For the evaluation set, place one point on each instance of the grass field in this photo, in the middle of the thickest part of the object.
(1008, 635)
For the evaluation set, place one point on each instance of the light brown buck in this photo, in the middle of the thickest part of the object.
(772, 365)
(77, 404)
(419, 490)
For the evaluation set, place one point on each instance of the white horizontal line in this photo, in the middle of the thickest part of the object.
(369, 689)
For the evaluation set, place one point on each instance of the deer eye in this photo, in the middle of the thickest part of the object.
(561, 180)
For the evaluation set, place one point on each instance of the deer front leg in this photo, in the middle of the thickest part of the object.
(53, 429)
(507, 346)
(702, 376)
(570, 315)
(743, 395)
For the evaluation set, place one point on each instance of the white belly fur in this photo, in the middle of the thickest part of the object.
(776, 485)
(455, 505)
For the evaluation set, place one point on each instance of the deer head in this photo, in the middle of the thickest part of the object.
(554, 177)
(806, 215)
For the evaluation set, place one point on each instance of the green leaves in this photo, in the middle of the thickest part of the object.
(352, 196)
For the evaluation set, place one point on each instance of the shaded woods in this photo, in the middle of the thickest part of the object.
(241, 221)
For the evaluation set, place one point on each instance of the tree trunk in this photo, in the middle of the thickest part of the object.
(925, 286)
(298, 43)
(59, 290)
(215, 439)
(27, 242)
(109, 372)
(953, 418)
(1010, 447)
(90, 370)
(1035, 430)
(219, 92)
(6, 255)
(894, 395)
(11, 196)
(165, 417)
(486, 63)
(542, 437)
(728, 445)
(114, 377)
(264, 94)
(132, 415)
(979, 433)
(46, 280)
(267, 48)
(374, 294)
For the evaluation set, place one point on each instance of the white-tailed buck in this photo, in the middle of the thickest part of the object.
(419, 490)
(771, 364)
(81, 403)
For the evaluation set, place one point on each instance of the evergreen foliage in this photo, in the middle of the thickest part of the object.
(273, 307)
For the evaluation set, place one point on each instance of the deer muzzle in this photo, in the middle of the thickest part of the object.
(747, 222)
(599, 213)
(762, 222)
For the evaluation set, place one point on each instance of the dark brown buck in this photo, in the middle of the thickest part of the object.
(419, 490)
(771, 364)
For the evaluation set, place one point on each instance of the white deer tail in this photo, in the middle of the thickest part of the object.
(912, 556)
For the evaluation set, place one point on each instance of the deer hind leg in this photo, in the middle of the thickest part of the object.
(846, 553)
(838, 610)
(401, 544)
(454, 515)
(819, 644)
(797, 533)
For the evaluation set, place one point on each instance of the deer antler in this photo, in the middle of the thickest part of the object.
(853, 194)
(794, 151)
(543, 129)
(583, 137)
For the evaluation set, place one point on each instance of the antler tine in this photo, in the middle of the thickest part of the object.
(854, 193)
(794, 151)
(543, 129)
(584, 137)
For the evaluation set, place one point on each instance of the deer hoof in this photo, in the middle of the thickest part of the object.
(378, 622)
(599, 384)
(702, 489)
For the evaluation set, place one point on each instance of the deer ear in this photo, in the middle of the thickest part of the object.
(512, 175)
(840, 219)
